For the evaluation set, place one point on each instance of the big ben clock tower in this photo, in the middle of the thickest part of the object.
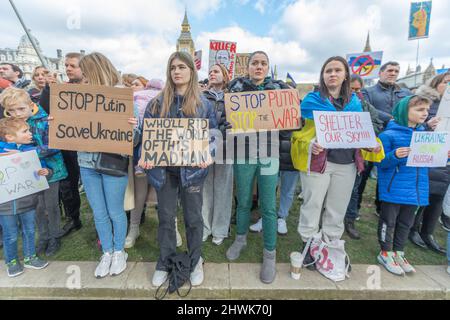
(185, 42)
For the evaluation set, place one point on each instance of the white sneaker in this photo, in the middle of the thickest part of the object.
(197, 275)
(119, 263)
(102, 269)
(179, 239)
(257, 227)
(159, 277)
(205, 236)
(217, 241)
(390, 264)
(282, 227)
(403, 263)
(300, 196)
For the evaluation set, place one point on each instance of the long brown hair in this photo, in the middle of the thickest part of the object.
(98, 70)
(226, 77)
(191, 99)
(438, 79)
(346, 92)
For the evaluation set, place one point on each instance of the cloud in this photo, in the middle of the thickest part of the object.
(139, 35)
(260, 6)
(198, 8)
(336, 27)
(285, 55)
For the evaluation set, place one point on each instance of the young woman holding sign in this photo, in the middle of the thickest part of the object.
(262, 167)
(327, 176)
(105, 193)
(218, 188)
(180, 98)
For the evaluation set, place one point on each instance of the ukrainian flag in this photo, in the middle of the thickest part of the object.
(290, 80)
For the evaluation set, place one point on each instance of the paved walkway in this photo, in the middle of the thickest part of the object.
(75, 280)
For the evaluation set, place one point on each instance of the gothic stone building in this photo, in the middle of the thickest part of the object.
(27, 59)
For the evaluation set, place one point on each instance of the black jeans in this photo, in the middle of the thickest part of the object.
(352, 209)
(393, 227)
(68, 188)
(191, 201)
(429, 215)
(364, 177)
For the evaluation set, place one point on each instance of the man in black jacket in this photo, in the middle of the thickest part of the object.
(69, 193)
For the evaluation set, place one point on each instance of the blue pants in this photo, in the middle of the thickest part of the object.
(11, 234)
(288, 183)
(106, 194)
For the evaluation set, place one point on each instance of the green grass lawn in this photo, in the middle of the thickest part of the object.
(81, 245)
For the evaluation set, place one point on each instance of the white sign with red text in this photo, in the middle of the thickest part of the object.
(344, 130)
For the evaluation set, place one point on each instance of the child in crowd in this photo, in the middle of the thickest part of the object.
(402, 189)
(17, 103)
(15, 136)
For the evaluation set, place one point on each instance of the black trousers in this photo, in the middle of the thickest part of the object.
(394, 224)
(429, 215)
(362, 186)
(191, 202)
(68, 188)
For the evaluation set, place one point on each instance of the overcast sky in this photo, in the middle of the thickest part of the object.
(139, 35)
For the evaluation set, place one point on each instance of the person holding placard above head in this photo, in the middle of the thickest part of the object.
(402, 188)
(427, 217)
(218, 187)
(180, 98)
(327, 175)
(104, 192)
(257, 161)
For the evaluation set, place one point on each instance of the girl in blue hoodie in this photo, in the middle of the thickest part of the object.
(402, 189)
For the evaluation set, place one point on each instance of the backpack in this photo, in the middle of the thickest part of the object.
(179, 270)
(329, 256)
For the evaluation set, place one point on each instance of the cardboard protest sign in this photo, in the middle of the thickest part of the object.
(241, 65)
(344, 130)
(444, 111)
(18, 176)
(175, 142)
(223, 52)
(429, 149)
(198, 59)
(91, 118)
(263, 110)
(366, 64)
(419, 20)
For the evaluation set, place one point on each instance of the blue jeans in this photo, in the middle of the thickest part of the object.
(288, 183)
(11, 234)
(106, 194)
